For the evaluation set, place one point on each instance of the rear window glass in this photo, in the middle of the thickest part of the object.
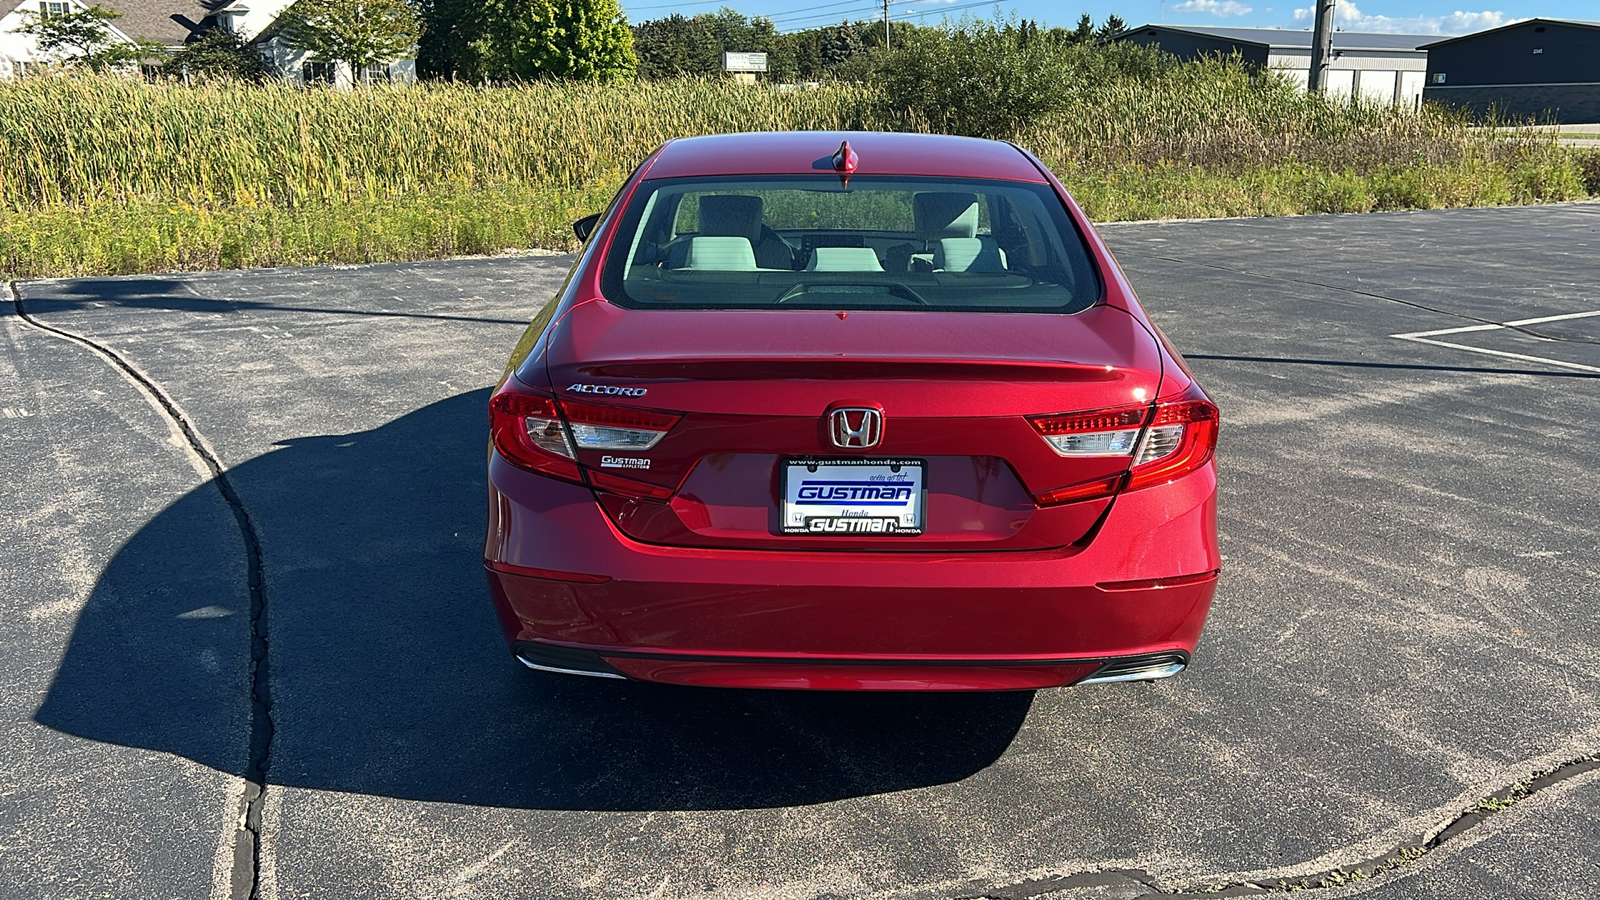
(880, 242)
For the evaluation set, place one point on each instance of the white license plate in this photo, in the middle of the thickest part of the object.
(868, 497)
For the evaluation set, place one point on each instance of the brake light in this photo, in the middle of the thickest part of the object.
(526, 428)
(1106, 432)
(535, 431)
(628, 487)
(596, 427)
(1165, 440)
(1181, 438)
(1088, 490)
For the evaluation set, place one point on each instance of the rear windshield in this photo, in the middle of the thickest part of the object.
(880, 242)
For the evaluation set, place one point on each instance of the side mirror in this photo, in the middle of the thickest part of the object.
(585, 226)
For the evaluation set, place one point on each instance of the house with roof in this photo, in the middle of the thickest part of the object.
(1383, 68)
(169, 24)
(1547, 68)
(173, 23)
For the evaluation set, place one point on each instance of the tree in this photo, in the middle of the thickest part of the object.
(84, 38)
(1085, 30)
(805, 48)
(675, 47)
(1113, 27)
(358, 33)
(567, 39)
(730, 29)
(839, 44)
(218, 53)
(448, 29)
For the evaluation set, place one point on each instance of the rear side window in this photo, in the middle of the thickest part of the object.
(880, 242)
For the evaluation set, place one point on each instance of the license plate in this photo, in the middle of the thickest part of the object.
(867, 497)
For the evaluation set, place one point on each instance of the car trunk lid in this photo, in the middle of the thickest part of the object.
(757, 389)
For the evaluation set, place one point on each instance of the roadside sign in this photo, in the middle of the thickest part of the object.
(744, 62)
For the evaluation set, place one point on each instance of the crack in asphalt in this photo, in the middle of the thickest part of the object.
(1530, 332)
(247, 841)
(1145, 886)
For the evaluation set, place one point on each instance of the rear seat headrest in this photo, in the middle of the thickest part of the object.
(720, 254)
(945, 214)
(731, 215)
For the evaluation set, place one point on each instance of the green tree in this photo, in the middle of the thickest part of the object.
(218, 53)
(1085, 29)
(568, 39)
(1113, 27)
(675, 47)
(84, 38)
(359, 33)
(872, 32)
(805, 49)
(976, 78)
(730, 29)
(448, 29)
(840, 43)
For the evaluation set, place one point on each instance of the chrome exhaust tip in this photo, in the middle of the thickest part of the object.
(1147, 667)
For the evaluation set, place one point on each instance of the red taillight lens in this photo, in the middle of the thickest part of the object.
(628, 487)
(596, 427)
(1104, 432)
(1181, 438)
(1089, 490)
(526, 428)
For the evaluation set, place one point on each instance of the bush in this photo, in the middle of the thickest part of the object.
(989, 79)
(1588, 163)
(218, 54)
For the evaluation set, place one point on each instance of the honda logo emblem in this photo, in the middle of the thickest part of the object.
(855, 428)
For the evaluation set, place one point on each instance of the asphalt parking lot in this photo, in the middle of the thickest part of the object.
(1406, 629)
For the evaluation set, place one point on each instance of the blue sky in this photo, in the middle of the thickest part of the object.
(1407, 16)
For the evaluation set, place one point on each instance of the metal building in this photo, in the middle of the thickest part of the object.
(1548, 68)
(1387, 68)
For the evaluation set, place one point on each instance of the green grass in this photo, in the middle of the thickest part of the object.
(142, 235)
(105, 175)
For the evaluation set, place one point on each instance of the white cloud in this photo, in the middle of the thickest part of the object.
(1215, 7)
(1348, 17)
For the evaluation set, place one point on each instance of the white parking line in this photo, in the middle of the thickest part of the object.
(1426, 337)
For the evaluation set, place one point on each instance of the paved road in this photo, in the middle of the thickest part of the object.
(1406, 623)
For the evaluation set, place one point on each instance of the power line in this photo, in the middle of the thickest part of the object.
(676, 5)
(793, 25)
(859, 13)
(791, 12)
(801, 14)
(780, 15)
(942, 10)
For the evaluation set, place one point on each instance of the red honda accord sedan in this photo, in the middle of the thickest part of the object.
(849, 411)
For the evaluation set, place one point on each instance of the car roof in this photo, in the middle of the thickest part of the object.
(878, 153)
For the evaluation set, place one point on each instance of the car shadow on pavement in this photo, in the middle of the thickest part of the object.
(389, 677)
(179, 295)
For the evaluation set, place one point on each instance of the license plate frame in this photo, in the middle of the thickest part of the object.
(844, 507)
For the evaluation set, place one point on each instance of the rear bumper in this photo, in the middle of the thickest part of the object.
(846, 674)
(563, 577)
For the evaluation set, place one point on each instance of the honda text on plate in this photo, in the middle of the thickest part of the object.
(849, 412)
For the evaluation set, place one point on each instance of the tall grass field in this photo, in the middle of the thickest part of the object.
(110, 175)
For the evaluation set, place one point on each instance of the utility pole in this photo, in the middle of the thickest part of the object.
(886, 25)
(1321, 47)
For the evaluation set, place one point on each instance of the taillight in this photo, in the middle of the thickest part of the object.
(1106, 432)
(534, 431)
(1165, 440)
(526, 428)
(596, 427)
(1181, 438)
